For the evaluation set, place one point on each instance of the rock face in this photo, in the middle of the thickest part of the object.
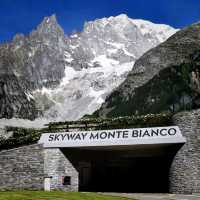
(14, 100)
(166, 78)
(48, 74)
(97, 61)
(119, 38)
(29, 63)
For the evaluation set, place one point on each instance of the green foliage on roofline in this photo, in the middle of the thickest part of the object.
(88, 122)
(20, 136)
(24, 136)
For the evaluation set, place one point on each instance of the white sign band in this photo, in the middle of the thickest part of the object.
(154, 135)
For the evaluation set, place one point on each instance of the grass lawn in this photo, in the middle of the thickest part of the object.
(54, 195)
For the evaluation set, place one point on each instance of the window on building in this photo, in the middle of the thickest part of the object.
(67, 180)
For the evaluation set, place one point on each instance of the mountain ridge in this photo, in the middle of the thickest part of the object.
(63, 77)
(101, 55)
(178, 52)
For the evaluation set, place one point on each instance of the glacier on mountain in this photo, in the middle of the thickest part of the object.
(97, 60)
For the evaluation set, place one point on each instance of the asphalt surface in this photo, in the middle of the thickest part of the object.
(156, 196)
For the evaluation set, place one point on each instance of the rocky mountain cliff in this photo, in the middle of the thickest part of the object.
(29, 63)
(97, 60)
(166, 78)
(47, 74)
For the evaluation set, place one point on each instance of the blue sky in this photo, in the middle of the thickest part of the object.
(21, 16)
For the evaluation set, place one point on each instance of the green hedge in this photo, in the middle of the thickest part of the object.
(24, 136)
(20, 137)
(117, 122)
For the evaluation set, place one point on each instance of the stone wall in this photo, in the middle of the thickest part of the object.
(57, 166)
(26, 167)
(185, 168)
(22, 168)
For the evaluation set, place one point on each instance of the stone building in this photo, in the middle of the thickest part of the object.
(168, 165)
(28, 166)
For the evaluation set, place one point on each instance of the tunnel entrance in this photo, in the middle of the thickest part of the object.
(141, 168)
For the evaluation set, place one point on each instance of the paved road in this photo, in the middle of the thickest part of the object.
(157, 196)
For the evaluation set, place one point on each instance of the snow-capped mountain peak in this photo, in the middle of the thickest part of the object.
(98, 60)
(121, 22)
(64, 78)
(160, 31)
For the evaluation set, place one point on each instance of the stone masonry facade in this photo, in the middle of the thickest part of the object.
(26, 168)
(22, 168)
(185, 168)
(57, 166)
